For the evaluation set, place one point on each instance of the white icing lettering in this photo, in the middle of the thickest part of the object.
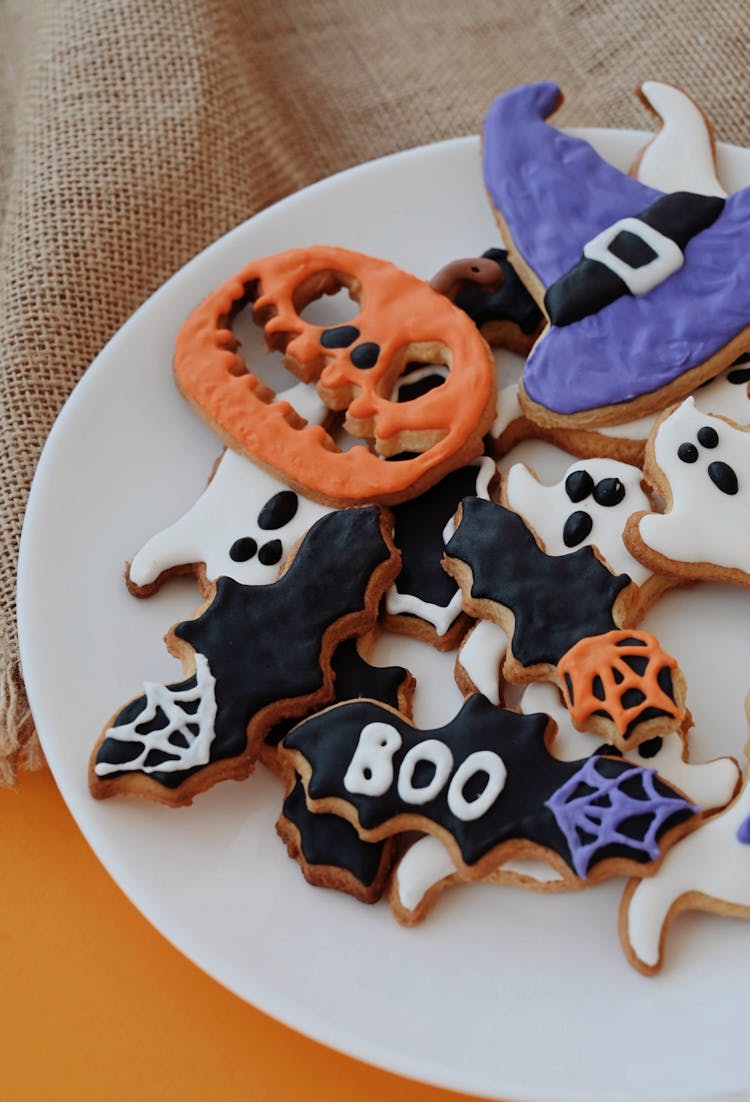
(370, 771)
(439, 757)
(481, 761)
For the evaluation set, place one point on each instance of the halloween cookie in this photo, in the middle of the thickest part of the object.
(682, 156)
(424, 601)
(400, 320)
(708, 871)
(327, 848)
(566, 619)
(487, 787)
(244, 671)
(242, 526)
(700, 465)
(625, 272)
(426, 869)
(589, 506)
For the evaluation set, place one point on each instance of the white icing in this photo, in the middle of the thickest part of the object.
(711, 860)
(481, 657)
(704, 524)
(424, 864)
(435, 753)
(546, 508)
(508, 409)
(481, 761)
(226, 511)
(669, 257)
(681, 157)
(428, 862)
(370, 771)
(417, 375)
(709, 785)
(197, 748)
(305, 400)
(440, 616)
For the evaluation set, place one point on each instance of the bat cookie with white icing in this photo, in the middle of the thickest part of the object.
(486, 785)
(425, 870)
(252, 655)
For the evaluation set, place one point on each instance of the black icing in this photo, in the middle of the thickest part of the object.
(723, 477)
(708, 437)
(556, 600)
(341, 336)
(577, 528)
(409, 389)
(278, 510)
(242, 550)
(631, 249)
(590, 285)
(609, 492)
(365, 355)
(353, 677)
(418, 533)
(271, 552)
(253, 662)
(578, 485)
(332, 842)
(328, 743)
(688, 453)
(585, 289)
(511, 302)
(326, 839)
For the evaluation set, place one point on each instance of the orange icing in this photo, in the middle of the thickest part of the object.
(403, 315)
(602, 656)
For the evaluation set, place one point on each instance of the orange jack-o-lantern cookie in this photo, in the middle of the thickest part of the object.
(357, 366)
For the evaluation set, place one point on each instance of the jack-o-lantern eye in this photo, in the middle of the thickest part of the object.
(358, 365)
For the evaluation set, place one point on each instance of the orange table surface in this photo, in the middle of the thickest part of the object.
(97, 1004)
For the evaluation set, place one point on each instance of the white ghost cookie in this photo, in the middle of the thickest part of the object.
(709, 870)
(700, 465)
(242, 526)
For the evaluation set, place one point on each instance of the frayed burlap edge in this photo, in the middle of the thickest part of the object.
(19, 742)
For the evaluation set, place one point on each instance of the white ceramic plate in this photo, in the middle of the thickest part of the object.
(501, 993)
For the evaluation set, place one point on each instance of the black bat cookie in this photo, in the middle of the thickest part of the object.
(486, 784)
(260, 653)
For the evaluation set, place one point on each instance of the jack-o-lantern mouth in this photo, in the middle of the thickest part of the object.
(363, 369)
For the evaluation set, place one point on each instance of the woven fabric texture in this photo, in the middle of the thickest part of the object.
(134, 132)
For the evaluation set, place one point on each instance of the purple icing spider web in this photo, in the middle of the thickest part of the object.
(590, 809)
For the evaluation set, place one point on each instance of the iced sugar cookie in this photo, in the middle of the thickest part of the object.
(625, 272)
(424, 601)
(485, 785)
(700, 465)
(400, 320)
(252, 655)
(708, 871)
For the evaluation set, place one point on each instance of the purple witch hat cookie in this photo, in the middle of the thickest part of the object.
(647, 294)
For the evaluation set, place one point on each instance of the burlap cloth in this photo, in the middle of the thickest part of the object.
(134, 132)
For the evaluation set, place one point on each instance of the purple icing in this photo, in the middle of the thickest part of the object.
(743, 831)
(591, 811)
(556, 193)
